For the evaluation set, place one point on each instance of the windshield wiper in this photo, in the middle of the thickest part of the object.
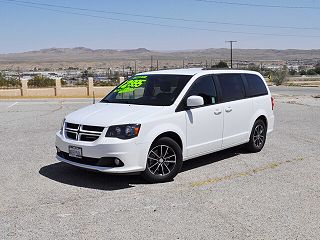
(120, 102)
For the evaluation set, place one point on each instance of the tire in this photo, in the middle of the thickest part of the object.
(257, 137)
(164, 161)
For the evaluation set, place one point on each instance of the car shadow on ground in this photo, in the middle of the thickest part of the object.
(70, 175)
(212, 158)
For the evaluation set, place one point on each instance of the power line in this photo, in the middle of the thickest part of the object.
(258, 5)
(159, 24)
(162, 18)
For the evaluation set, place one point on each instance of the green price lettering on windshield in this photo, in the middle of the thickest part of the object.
(131, 84)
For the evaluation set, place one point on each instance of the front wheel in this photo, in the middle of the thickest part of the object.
(164, 161)
(257, 137)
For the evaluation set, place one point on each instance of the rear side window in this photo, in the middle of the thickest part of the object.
(205, 88)
(256, 86)
(232, 87)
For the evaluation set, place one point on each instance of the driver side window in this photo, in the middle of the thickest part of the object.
(204, 87)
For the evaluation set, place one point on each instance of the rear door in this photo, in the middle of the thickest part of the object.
(204, 123)
(237, 110)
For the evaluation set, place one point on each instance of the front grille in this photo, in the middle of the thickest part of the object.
(71, 135)
(80, 132)
(88, 138)
(92, 128)
(72, 125)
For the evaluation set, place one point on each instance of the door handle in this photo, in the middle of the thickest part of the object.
(217, 112)
(228, 109)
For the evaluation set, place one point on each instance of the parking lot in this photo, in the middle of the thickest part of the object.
(274, 194)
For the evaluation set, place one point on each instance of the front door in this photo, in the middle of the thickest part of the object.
(204, 123)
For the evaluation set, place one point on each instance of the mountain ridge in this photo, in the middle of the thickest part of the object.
(145, 50)
(82, 56)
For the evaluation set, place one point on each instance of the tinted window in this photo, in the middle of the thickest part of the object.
(204, 87)
(256, 86)
(232, 87)
(154, 89)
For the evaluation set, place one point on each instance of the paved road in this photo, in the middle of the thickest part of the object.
(274, 194)
(295, 91)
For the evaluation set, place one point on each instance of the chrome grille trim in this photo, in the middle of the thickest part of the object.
(79, 133)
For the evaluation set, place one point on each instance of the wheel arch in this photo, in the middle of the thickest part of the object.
(261, 114)
(170, 134)
(264, 119)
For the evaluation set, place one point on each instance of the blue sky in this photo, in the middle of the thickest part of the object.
(25, 28)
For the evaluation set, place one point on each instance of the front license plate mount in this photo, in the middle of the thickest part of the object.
(75, 152)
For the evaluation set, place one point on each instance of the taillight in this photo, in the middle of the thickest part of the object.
(272, 102)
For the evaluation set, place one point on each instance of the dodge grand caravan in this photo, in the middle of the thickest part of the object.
(155, 120)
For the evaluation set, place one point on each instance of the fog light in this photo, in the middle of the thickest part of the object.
(117, 162)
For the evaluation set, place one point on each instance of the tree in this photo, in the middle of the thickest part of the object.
(303, 72)
(221, 64)
(84, 74)
(292, 72)
(279, 76)
(63, 82)
(253, 67)
(87, 73)
(317, 69)
(311, 72)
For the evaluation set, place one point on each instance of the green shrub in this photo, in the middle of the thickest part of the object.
(11, 82)
(40, 81)
(221, 64)
(311, 72)
(279, 77)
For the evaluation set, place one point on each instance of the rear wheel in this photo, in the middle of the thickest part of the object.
(257, 137)
(164, 161)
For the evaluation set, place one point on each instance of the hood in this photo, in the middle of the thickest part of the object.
(107, 114)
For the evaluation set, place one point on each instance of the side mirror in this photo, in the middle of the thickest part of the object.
(195, 101)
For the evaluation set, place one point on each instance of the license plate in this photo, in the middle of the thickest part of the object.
(75, 152)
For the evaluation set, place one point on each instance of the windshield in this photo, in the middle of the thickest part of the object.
(155, 89)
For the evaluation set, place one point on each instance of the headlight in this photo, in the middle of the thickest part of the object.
(126, 131)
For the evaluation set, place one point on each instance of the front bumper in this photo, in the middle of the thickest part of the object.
(131, 153)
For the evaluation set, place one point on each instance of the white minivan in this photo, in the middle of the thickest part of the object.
(155, 120)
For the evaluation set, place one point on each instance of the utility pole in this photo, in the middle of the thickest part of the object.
(157, 64)
(19, 74)
(151, 60)
(135, 66)
(231, 43)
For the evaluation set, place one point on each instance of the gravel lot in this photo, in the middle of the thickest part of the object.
(274, 194)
